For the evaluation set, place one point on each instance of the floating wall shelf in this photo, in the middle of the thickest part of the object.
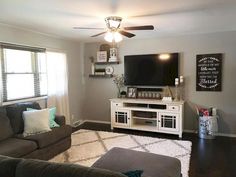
(107, 63)
(101, 76)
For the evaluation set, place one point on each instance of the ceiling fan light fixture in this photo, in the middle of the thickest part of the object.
(113, 36)
(113, 22)
(117, 36)
(108, 36)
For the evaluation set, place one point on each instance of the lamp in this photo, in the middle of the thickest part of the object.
(113, 36)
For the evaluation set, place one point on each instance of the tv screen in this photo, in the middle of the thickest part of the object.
(151, 70)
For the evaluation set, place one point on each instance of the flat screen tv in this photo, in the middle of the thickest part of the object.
(151, 70)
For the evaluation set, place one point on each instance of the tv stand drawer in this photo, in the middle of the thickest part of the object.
(173, 108)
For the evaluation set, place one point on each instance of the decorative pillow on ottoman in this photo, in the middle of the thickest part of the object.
(135, 173)
(36, 121)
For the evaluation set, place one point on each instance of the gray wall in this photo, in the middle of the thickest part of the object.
(72, 49)
(98, 91)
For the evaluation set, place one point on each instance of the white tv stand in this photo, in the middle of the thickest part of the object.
(148, 115)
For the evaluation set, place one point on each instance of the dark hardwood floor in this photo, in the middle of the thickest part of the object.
(209, 158)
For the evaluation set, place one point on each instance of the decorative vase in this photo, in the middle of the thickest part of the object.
(118, 93)
(92, 68)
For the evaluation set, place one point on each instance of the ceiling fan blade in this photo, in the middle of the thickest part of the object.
(146, 27)
(87, 28)
(98, 34)
(127, 34)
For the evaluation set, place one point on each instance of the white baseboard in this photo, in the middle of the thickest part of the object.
(227, 135)
(189, 131)
(186, 130)
(218, 134)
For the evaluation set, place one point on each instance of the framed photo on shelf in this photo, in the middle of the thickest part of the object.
(132, 92)
(102, 56)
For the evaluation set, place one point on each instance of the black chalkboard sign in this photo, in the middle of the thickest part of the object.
(209, 72)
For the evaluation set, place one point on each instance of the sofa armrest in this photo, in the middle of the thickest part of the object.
(61, 120)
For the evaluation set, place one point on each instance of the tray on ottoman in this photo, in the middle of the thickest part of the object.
(153, 165)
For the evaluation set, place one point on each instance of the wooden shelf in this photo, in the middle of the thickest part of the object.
(107, 63)
(101, 76)
(145, 127)
(144, 118)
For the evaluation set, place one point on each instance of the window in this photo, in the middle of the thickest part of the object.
(23, 73)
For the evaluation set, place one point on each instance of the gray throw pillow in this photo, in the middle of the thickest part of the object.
(14, 112)
(5, 127)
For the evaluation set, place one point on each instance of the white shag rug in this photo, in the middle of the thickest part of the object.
(88, 146)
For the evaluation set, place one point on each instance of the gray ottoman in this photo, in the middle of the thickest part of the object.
(153, 165)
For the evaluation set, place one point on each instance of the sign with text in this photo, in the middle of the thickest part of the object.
(209, 72)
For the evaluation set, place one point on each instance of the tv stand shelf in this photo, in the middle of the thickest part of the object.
(147, 115)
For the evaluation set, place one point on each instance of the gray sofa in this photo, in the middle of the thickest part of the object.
(153, 165)
(41, 146)
(13, 167)
(113, 164)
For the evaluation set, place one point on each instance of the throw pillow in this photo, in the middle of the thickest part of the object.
(15, 112)
(36, 121)
(5, 127)
(135, 173)
(52, 114)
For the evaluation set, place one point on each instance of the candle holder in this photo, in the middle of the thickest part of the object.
(176, 89)
(176, 93)
(181, 89)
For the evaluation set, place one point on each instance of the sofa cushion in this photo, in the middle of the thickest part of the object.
(8, 166)
(14, 147)
(32, 168)
(3, 110)
(5, 127)
(48, 138)
(153, 165)
(60, 120)
(14, 113)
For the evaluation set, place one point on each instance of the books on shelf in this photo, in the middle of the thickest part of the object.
(100, 71)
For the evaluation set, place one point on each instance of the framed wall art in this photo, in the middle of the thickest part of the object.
(209, 72)
(102, 56)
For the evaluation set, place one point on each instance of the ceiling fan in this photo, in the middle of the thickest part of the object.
(114, 32)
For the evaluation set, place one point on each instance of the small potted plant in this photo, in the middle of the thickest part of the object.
(119, 81)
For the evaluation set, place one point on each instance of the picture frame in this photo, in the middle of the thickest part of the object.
(102, 56)
(113, 54)
(209, 72)
(131, 92)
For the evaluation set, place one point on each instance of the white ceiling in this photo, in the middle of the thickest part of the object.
(169, 17)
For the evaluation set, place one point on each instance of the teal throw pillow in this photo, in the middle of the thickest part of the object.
(135, 173)
(52, 113)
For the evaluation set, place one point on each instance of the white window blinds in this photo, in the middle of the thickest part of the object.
(23, 72)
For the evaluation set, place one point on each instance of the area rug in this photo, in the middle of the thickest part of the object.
(88, 146)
